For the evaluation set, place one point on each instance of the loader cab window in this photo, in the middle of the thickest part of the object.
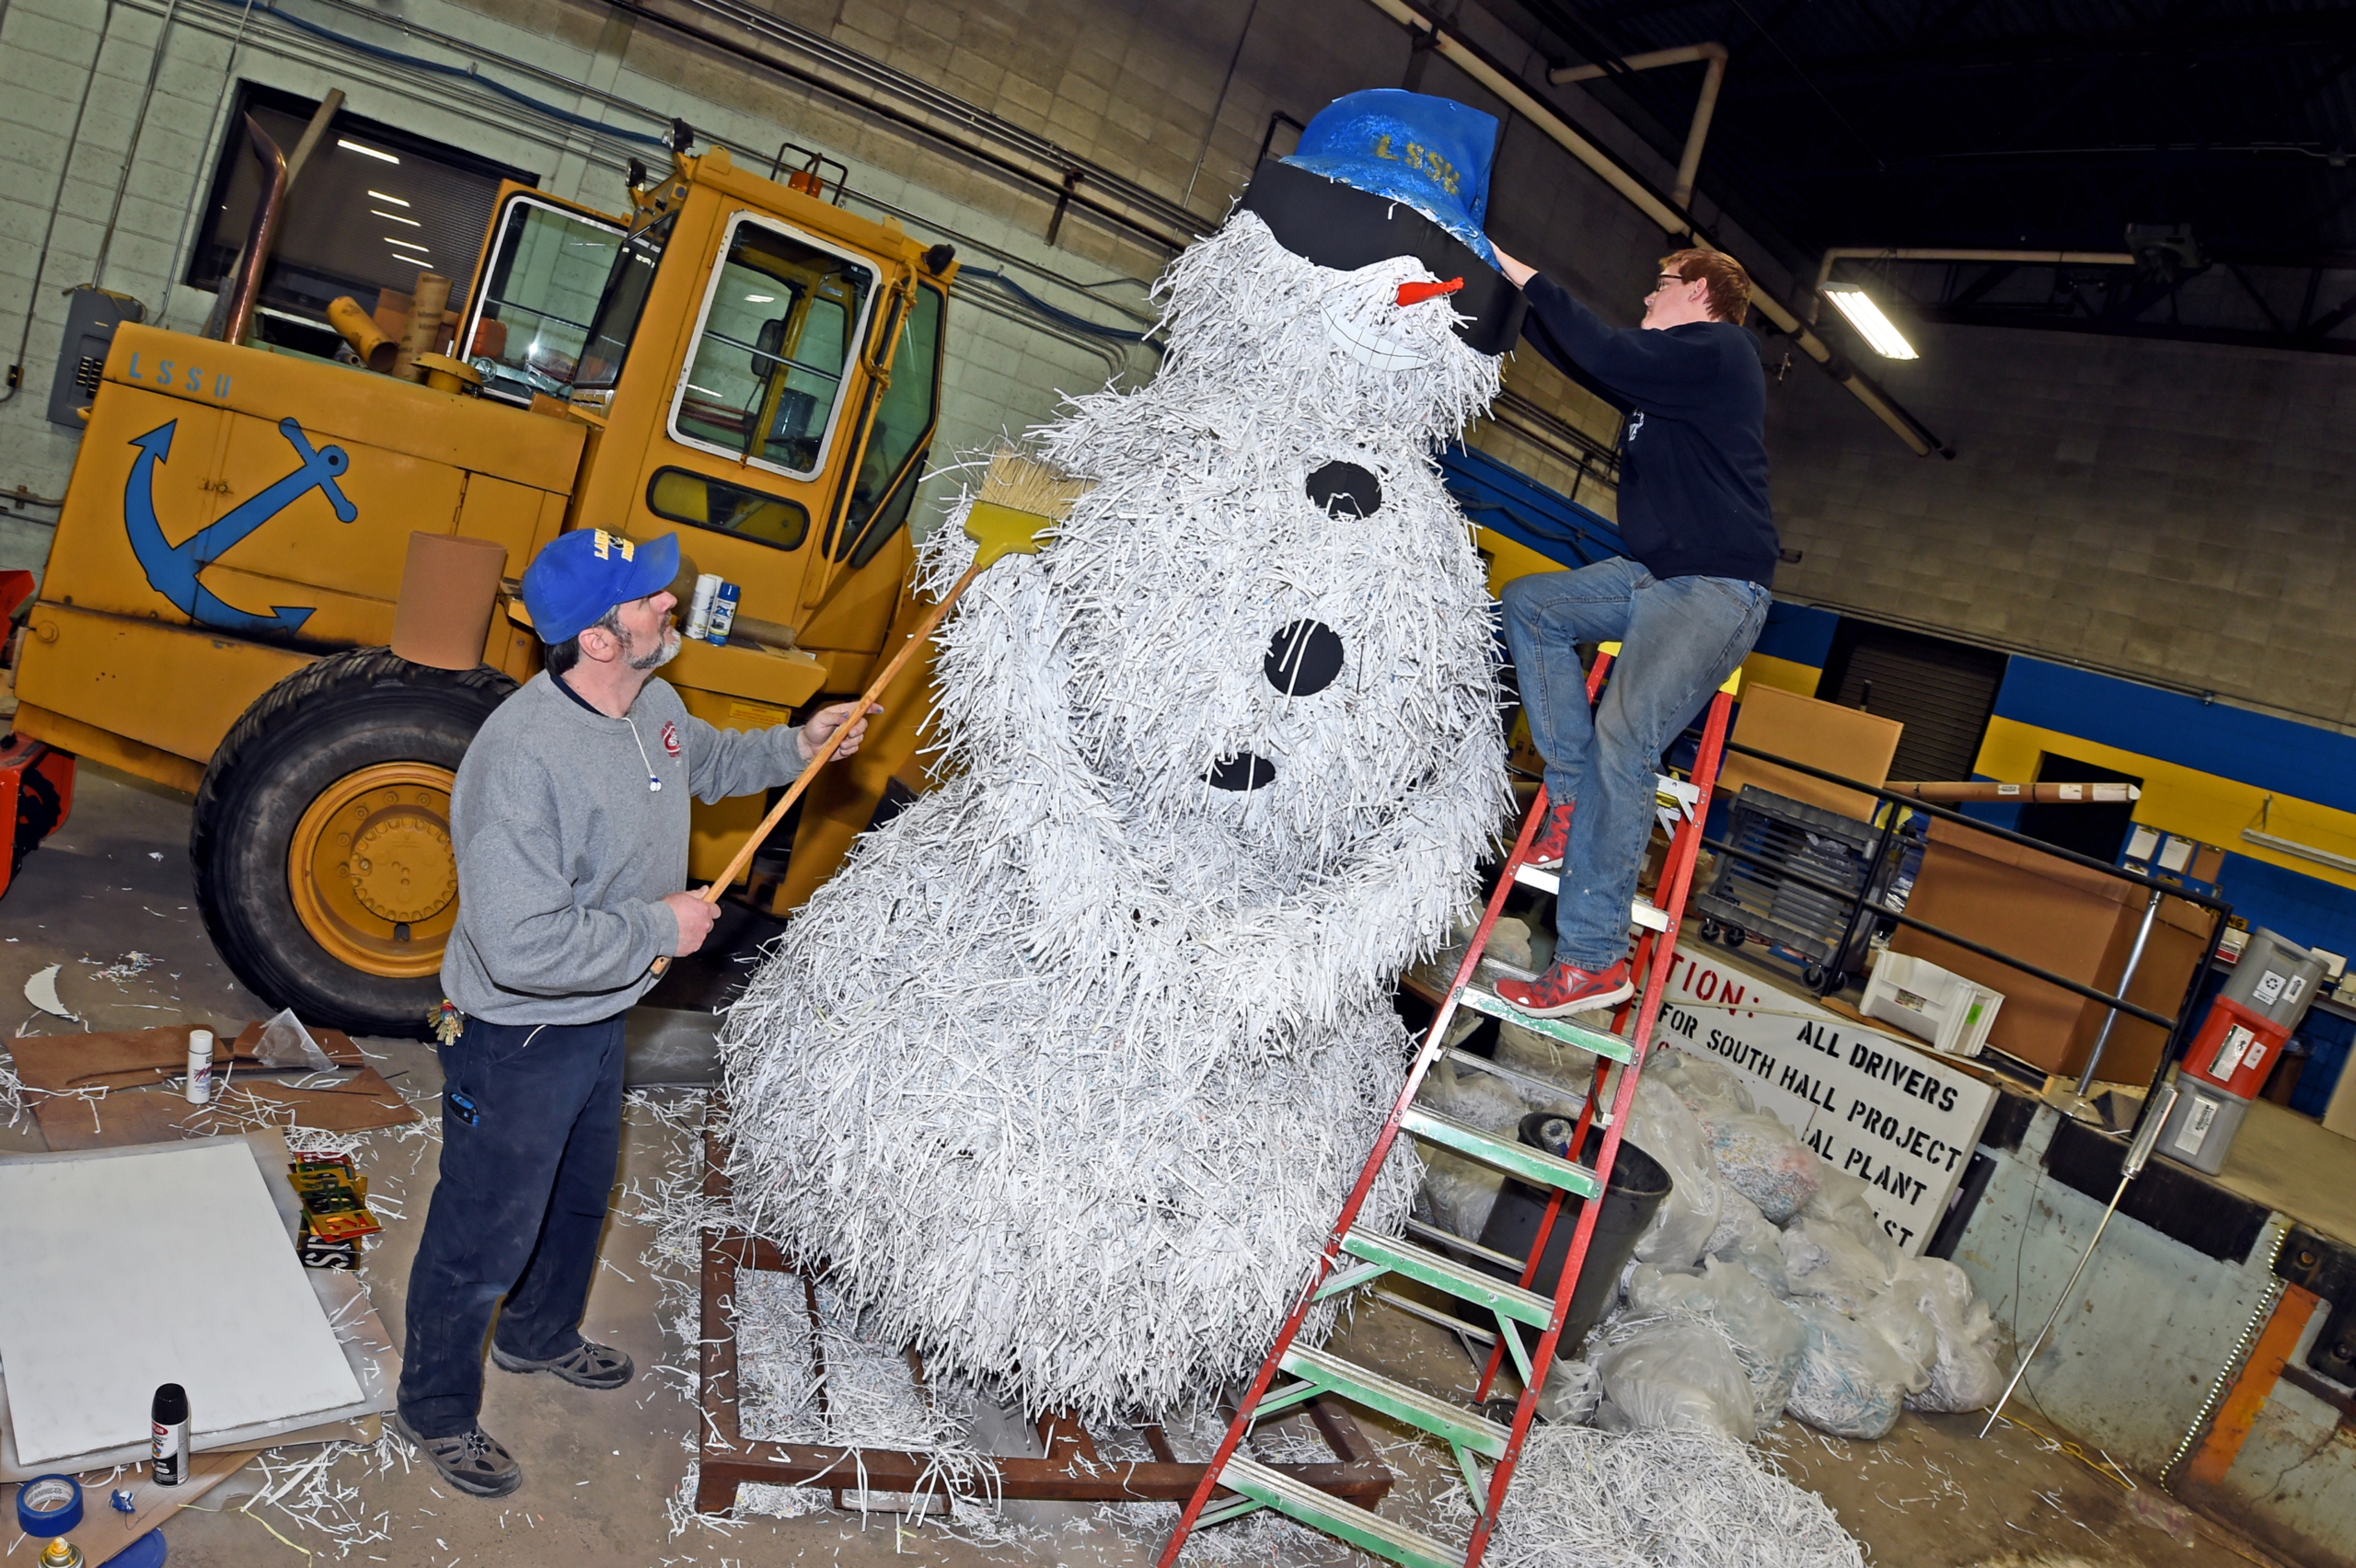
(905, 417)
(619, 304)
(780, 330)
(530, 320)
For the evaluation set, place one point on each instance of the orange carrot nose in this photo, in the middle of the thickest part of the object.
(1415, 294)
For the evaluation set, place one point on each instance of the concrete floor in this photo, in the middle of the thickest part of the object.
(600, 1468)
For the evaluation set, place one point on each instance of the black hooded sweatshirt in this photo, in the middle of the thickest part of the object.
(1693, 452)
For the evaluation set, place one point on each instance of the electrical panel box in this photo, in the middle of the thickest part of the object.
(91, 317)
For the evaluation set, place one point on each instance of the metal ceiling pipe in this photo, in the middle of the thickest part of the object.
(1886, 253)
(246, 287)
(1689, 164)
(1673, 219)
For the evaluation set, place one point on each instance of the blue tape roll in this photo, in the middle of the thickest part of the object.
(49, 1505)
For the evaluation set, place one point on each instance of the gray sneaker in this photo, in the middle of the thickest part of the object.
(585, 1366)
(471, 1461)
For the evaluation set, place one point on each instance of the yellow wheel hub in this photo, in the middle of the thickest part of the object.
(371, 870)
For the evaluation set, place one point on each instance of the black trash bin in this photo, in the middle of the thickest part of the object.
(1635, 1194)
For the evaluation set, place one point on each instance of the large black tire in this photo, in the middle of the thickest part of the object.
(330, 721)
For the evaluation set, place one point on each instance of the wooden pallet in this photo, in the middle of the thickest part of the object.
(1070, 1471)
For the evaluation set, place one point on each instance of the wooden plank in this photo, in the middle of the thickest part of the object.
(716, 1381)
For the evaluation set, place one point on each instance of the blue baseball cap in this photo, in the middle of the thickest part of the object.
(578, 576)
(1431, 153)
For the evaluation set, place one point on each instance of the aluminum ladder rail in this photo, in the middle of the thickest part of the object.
(1352, 1258)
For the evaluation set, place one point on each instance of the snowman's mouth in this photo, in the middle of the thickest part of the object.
(1241, 771)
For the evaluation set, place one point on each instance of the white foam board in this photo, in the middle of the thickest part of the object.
(164, 1266)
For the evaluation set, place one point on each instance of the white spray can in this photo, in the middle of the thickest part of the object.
(199, 1065)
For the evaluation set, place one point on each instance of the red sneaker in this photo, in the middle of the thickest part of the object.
(1565, 989)
(1554, 839)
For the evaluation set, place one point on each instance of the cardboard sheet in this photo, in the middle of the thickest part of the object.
(130, 1269)
(134, 1066)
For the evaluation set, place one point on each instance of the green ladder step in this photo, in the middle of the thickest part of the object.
(1569, 1033)
(1460, 1280)
(1362, 1527)
(1532, 1165)
(1442, 1418)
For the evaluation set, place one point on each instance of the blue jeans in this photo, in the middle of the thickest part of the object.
(531, 1138)
(1679, 641)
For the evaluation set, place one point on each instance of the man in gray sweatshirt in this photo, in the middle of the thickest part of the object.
(568, 820)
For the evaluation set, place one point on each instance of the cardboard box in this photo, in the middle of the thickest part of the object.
(1846, 740)
(2066, 919)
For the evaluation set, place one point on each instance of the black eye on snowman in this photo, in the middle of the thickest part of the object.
(1241, 771)
(1303, 658)
(1344, 489)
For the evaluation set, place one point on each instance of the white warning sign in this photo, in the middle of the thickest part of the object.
(1889, 1112)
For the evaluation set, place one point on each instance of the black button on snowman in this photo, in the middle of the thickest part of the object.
(1068, 1070)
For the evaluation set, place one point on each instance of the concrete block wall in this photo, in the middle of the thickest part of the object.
(2175, 512)
(1176, 98)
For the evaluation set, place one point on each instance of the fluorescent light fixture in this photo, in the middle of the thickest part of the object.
(395, 217)
(1868, 318)
(759, 299)
(391, 239)
(382, 197)
(2304, 851)
(366, 152)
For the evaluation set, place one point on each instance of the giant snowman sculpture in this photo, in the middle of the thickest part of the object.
(1064, 1076)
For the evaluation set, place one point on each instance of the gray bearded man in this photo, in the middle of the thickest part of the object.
(568, 820)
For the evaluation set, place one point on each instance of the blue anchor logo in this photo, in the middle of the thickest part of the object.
(172, 568)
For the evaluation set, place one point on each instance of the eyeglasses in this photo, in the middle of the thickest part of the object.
(1669, 280)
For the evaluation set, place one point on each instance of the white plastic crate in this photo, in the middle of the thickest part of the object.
(1934, 1004)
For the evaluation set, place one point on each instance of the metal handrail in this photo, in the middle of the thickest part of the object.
(2023, 839)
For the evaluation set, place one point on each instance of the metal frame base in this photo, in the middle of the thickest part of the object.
(1071, 1470)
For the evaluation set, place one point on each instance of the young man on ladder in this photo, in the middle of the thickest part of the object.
(1685, 608)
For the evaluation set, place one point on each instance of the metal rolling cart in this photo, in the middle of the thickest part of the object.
(1774, 885)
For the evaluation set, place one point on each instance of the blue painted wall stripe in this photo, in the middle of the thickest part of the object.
(1801, 633)
(2232, 743)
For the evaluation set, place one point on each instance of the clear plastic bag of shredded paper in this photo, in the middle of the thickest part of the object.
(1570, 1394)
(1708, 1088)
(1851, 1380)
(1456, 1194)
(1688, 1217)
(1763, 1160)
(1907, 1331)
(1766, 1338)
(1967, 1374)
(1676, 1372)
(1829, 1263)
(1744, 1237)
(1847, 1201)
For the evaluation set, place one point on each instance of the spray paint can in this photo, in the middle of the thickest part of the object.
(723, 613)
(200, 1066)
(168, 1439)
(700, 607)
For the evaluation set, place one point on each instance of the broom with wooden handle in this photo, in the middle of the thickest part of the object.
(1020, 500)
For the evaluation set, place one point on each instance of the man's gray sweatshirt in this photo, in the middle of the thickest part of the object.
(565, 852)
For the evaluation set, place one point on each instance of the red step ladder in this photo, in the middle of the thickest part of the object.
(1233, 1482)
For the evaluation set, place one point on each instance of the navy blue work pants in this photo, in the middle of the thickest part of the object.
(531, 1136)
